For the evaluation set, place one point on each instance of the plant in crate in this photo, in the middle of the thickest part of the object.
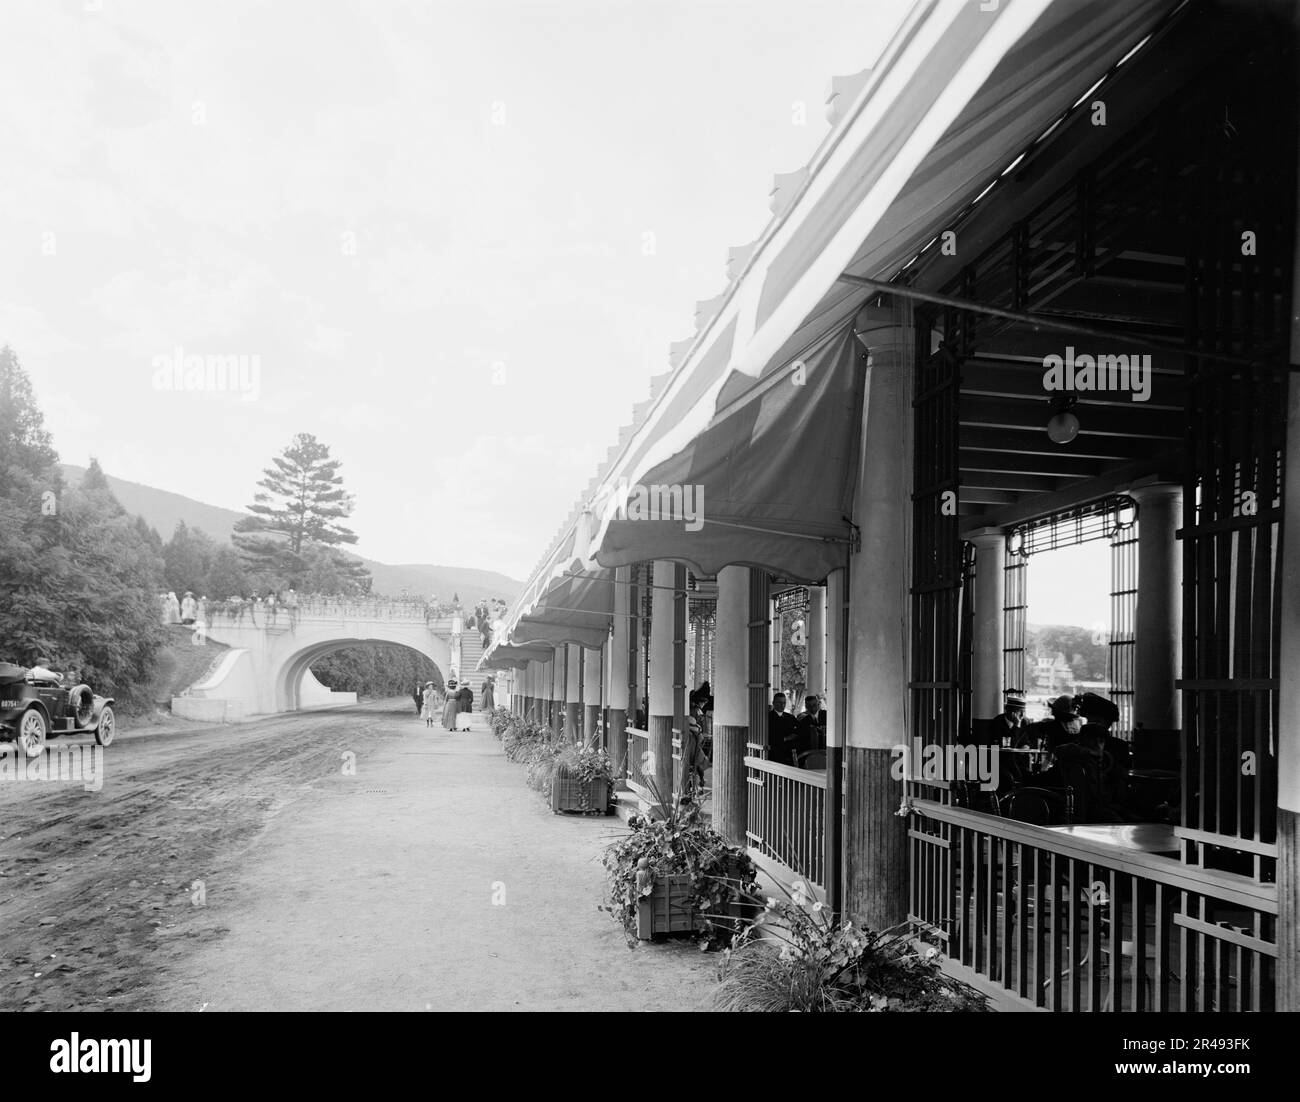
(500, 721)
(797, 957)
(677, 874)
(582, 779)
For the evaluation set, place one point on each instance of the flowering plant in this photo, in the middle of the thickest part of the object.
(800, 958)
(722, 876)
(585, 762)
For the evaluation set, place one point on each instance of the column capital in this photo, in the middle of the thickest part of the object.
(986, 537)
(1155, 490)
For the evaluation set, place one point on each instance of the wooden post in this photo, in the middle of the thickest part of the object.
(618, 670)
(876, 836)
(731, 706)
(836, 665)
(573, 692)
(663, 677)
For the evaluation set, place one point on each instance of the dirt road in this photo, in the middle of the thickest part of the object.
(351, 859)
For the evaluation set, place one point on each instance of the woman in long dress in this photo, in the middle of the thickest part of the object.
(429, 705)
(450, 709)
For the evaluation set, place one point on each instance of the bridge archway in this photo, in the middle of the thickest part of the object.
(289, 676)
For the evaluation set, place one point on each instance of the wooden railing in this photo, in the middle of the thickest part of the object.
(787, 816)
(638, 742)
(1072, 924)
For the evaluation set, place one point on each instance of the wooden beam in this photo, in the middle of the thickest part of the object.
(1062, 466)
(1009, 480)
(1113, 480)
(1086, 445)
(1131, 421)
(1025, 382)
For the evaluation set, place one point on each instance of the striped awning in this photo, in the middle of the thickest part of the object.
(957, 95)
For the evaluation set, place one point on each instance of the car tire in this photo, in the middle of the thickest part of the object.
(31, 733)
(107, 726)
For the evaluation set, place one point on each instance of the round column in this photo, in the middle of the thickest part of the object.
(731, 706)
(986, 673)
(591, 695)
(815, 629)
(1158, 627)
(616, 671)
(663, 705)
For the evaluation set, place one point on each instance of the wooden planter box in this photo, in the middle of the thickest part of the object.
(667, 909)
(587, 797)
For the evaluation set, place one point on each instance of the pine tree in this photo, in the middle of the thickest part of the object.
(295, 528)
(188, 559)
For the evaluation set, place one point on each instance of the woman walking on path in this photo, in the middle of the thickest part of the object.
(451, 708)
(430, 704)
(488, 695)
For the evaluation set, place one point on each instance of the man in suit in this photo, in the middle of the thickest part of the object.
(781, 732)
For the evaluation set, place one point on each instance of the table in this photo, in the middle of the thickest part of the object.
(1134, 837)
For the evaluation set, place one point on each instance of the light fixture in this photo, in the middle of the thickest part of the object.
(1064, 425)
(1016, 542)
(1126, 513)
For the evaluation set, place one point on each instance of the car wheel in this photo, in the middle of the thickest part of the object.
(107, 727)
(31, 733)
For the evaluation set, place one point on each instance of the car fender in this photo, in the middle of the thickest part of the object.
(98, 704)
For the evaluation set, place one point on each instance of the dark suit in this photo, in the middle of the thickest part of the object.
(465, 699)
(781, 734)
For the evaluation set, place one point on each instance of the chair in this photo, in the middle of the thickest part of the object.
(812, 759)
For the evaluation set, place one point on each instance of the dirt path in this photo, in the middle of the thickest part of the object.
(245, 868)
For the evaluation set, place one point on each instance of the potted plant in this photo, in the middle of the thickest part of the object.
(677, 874)
(582, 780)
(798, 958)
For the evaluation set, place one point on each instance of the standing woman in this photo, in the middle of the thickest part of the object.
(489, 699)
(450, 708)
(429, 704)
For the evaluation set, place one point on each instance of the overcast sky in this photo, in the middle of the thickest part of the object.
(429, 222)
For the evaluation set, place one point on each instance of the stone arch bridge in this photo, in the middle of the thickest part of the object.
(267, 666)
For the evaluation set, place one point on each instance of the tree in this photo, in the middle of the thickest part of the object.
(227, 576)
(295, 527)
(188, 559)
(78, 577)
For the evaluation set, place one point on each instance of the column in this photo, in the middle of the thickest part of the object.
(663, 703)
(1158, 627)
(698, 674)
(641, 644)
(774, 641)
(875, 888)
(987, 642)
(618, 670)
(548, 690)
(591, 695)
(836, 664)
(573, 692)
(731, 706)
(760, 666)
(815, 634)
(1288, 750)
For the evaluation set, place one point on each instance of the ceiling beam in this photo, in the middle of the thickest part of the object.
(1133, 420)
(1084, 446)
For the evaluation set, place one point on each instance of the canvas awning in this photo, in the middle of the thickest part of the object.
(503, 656)
(958, 94)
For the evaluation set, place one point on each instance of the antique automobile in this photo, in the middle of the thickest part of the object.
(37, 703)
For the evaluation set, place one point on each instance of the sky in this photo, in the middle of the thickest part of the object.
(452, 240)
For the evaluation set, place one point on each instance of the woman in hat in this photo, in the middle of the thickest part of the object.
(189, 609)
(451, 708)
(429, 704)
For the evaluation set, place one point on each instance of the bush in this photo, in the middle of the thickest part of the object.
(799, 959)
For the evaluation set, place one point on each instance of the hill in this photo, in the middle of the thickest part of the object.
(163, 510)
